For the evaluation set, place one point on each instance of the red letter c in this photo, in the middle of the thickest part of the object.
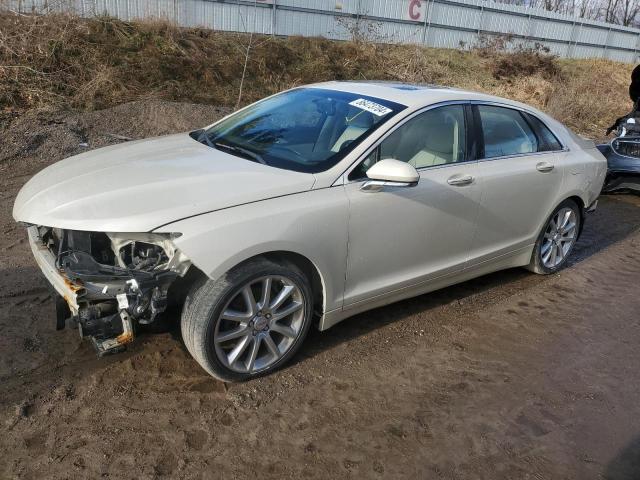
(414, 13)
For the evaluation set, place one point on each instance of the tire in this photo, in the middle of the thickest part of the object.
(214, 311)
(541, 261)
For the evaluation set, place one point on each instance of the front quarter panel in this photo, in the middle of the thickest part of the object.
(312, 224)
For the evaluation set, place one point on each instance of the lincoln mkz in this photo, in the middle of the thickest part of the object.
(303, 209)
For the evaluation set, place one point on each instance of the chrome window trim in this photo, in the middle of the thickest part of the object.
(529, 112)
(403, 121)
(518, 155)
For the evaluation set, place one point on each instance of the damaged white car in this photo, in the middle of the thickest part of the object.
(305, 208)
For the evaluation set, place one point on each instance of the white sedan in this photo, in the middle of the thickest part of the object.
(305, 208)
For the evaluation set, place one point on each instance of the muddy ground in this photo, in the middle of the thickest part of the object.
(510, 376)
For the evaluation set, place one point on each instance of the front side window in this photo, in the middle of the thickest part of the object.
(435, 137)
(306, 130)
(505, 132)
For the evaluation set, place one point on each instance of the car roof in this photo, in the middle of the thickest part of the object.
(412, 95)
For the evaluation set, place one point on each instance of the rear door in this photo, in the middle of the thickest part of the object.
(520, 176)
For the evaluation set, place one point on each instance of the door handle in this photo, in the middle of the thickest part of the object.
(460, 180)
(544, 167)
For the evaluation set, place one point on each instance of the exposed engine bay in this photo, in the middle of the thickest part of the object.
(110, 281)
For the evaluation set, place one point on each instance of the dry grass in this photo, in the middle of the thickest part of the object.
(61, 61)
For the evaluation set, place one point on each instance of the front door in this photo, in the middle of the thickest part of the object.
(403, 236)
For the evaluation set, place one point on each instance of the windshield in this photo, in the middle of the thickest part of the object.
(306, 130)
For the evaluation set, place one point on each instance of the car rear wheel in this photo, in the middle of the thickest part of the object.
(557, 239)
(249, 322)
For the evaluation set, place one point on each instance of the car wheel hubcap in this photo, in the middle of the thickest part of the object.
(259, 324)
(559, 237)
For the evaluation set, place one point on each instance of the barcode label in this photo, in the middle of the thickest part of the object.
(369, 106)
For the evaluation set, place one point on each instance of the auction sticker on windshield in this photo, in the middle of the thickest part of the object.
(369, 106)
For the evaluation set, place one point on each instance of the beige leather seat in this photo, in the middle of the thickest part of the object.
(356, 126)
(440, 144)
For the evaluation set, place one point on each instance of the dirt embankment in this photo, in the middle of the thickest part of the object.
(67, 62)
(508, 376)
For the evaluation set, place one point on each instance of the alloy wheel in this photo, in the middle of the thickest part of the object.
(259, 324)
(559, 237)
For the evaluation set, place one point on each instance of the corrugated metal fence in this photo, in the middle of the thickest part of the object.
(437, 23)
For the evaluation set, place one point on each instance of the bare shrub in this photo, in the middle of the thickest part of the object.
(512, 60)
(526, 61)
(360, 29)
(488, 46)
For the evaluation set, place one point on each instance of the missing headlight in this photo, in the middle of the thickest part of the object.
(147, 252)
(142, 256)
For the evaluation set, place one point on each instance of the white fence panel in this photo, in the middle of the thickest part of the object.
(437, 23)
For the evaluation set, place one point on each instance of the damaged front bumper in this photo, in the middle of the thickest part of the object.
(107, 283)
(47, 263)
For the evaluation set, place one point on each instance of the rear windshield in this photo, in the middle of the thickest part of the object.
(306, 130)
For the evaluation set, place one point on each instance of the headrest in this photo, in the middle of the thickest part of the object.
(438, 133)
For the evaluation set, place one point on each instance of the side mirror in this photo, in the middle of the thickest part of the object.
(390, 173)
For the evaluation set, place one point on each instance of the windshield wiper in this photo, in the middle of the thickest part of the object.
(203, 137)
(243, 152)
(200, 136)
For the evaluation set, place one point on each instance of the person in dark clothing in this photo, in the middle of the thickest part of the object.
(634, 94)
(634, 88)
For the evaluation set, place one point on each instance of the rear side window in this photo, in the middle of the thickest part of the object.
(505, 132)
(548, 141)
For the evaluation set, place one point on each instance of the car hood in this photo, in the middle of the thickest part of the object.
(138, 186)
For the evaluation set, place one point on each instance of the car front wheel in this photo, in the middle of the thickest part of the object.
(249, 322)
